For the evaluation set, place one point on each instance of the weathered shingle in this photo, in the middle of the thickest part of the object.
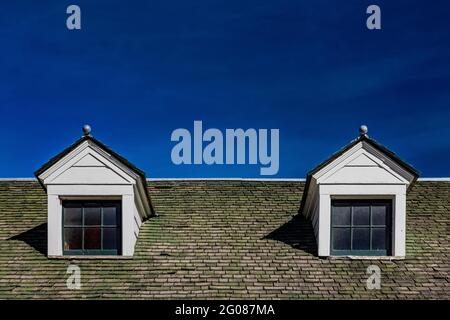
(224, 239)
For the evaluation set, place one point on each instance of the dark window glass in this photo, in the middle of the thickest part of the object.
(360, 227)
(379, 215)
(73, 217)
(91, 228)
(109, 238)
(379, 239)
(73, 238)
(92, 238)
(109, 216)
(361, 239)
(341, 215)
(341, 238)
(92, 216)
(361, 215)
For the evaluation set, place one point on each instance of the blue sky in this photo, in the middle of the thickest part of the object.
(138, 71)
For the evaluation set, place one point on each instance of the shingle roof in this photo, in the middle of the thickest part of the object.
(224, 239)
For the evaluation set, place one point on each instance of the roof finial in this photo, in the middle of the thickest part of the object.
(87, 130)
(363, 131)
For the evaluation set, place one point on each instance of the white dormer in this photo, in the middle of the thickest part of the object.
(97, 200)
(356, 201)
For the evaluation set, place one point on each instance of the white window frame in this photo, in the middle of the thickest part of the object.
(357, 192)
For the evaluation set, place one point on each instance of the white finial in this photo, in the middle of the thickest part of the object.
(363, 131)
(87, 130)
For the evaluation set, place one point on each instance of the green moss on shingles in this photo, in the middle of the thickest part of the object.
(222, 240)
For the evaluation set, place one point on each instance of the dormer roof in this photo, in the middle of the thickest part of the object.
(89, 141)
(385, 157)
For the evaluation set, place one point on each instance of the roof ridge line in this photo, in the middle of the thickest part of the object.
(229, 179)
(18, 179)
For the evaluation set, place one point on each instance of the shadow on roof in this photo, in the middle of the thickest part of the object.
(35, 238)
(298, 233)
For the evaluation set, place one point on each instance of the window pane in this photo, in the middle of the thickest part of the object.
(92, 216)
(379, 239)
(341, 238)
(109, 216)
(92, 238)
(361, 215)
(72, 238)
(341, 215)
(109, 238)
(379, 215)
(361, 239)
(72, 216)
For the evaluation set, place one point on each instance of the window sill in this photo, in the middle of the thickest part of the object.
(384, 258)
(91, 257)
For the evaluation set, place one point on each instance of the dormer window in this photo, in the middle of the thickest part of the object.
(97, 201)
(356, 201)
(361, 227)
(91, 227)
